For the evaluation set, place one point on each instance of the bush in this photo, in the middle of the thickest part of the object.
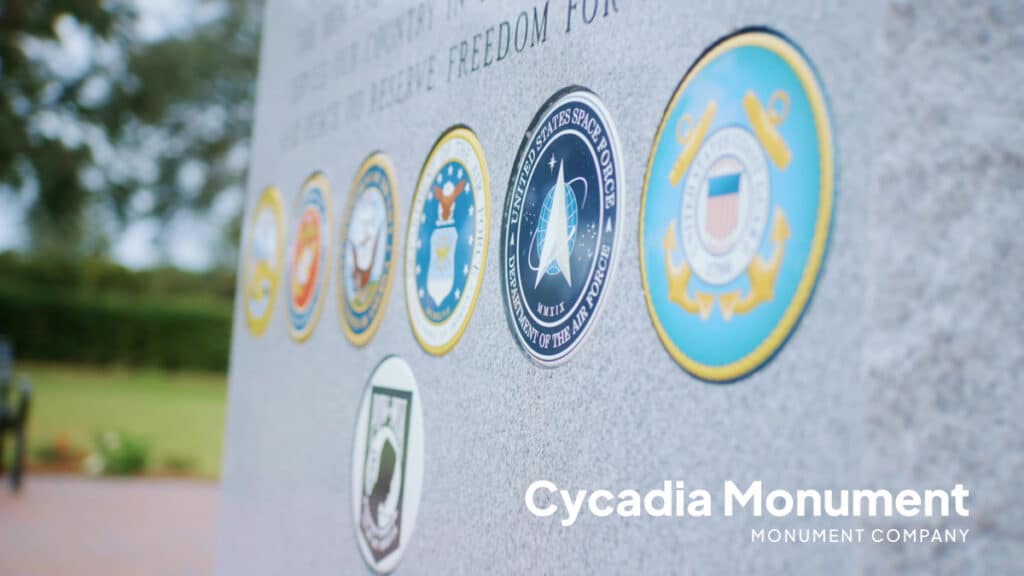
(58, 454)
(57, 451)
(98, 312)
(49, 325)
(117, 454)
(101, 277)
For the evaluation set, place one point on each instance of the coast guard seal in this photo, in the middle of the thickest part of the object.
(366, 261)
(737, 205)
(387, 464)
(446, 243)
(561, 225)
(310, 243)
(264, 256)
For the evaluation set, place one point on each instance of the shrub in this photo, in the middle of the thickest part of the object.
(57, 452)
(117, 454)
(53, 325)
(97, 276)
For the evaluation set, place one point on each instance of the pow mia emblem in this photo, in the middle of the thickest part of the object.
(387, 464)
(561, 225)
(737, 205)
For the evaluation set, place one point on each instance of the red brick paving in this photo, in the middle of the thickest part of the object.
(61, 525)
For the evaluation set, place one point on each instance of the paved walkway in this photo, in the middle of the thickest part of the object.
(63, 525)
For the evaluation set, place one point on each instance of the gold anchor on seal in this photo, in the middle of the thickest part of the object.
(766, 122)
(762, 273)
(679, 277)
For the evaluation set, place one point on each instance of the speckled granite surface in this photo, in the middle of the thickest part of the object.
(903, 372)
(944, 337)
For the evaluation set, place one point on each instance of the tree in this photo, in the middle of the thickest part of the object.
(148, 129)
(28, 91)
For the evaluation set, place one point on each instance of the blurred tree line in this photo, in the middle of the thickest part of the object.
(148, 128)
(93, 311)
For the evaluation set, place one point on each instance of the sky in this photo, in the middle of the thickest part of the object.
(187, 240)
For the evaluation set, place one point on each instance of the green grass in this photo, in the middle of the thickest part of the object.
(179, 415)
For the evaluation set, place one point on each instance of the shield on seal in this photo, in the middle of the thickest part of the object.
(441, 273)
(723, 210)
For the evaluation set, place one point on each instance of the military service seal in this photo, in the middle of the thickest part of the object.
(561, 225)
(737, 205)
(264, 256)
(310, 244)
(446, 243)
(366, 261)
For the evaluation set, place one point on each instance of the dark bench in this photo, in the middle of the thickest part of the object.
(13, 418)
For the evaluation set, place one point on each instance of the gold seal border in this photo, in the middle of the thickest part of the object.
(383, 161)
(815, 94)
(460, 132)
(270, 199)
(317, 178)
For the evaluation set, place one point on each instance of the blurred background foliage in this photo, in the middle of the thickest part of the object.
(145, 126)
(112, 116)
(138, 126)
(94, 311)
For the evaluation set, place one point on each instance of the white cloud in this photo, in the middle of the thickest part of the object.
(135, 247)
(95, 91)
(194, 241)
(71, 55)
(191, 177)
(12, 227)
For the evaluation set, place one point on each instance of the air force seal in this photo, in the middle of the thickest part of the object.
(367, 237)
(264, 256)
(310, 243)
(446, 244)
(737, 205)
(561, 225)
(387, 464)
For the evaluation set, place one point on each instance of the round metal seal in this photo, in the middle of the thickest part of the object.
(387, 464)
(309, 247)
(561, 225)
(367, 249)
(446, 243)
(737, 205)
(264, 258)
